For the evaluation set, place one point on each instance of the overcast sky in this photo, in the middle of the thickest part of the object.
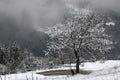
(35, 13)
(42, 13)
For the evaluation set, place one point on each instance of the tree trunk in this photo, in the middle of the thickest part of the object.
(77, 62)
(77, 65)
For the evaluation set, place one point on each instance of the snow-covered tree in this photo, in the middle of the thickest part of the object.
(11, 56)
(82, 31)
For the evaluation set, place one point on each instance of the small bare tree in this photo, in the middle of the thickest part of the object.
(81, 32)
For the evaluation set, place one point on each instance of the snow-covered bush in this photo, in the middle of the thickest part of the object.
(11, 56)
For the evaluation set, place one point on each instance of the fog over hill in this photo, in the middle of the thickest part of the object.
(24, 21)
(20, 21)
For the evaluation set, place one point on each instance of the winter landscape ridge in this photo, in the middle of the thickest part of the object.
(59, 40)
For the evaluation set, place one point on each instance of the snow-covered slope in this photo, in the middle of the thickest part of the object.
(101, 66)
(110, 70)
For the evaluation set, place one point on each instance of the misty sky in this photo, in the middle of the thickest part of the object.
(42, 13)
(31, 13)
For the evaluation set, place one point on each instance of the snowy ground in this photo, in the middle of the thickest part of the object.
(110, 70)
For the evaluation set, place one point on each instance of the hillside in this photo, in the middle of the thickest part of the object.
(110, 70)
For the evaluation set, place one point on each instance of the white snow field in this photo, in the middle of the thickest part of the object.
(110, 70)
